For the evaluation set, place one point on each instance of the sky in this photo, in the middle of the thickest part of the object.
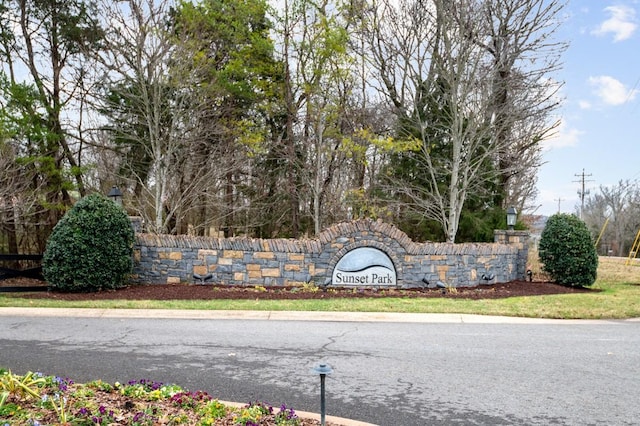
(598, 139)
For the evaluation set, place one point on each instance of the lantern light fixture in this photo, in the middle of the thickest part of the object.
(115, 195)
(512, 216)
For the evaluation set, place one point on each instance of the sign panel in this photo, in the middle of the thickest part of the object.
(364, 266)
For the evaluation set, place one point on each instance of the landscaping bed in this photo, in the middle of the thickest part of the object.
(36, 399)
(213, 291)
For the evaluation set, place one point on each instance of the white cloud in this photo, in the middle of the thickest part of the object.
(582, 104)
(562, 138)
(621, 23)
(611, 91)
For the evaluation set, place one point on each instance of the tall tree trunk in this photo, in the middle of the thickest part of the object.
(228, 197)
(289, 139)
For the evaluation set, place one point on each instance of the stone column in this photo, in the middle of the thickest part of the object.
(136, 224)
(520, 240)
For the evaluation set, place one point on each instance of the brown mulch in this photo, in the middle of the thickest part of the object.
(210, 291)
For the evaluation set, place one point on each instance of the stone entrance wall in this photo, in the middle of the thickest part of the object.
(162, 259)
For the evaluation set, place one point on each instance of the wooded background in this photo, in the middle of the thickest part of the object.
(276, 119)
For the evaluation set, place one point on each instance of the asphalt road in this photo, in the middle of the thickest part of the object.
(392, 373)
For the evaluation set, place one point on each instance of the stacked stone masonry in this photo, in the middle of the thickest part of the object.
(164, 259)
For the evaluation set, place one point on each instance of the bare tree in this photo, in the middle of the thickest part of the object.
(136, 85)
(19, 203)
(457, 79)
(156, 117)
(524, 95)
(324, 84)
(320, 120)
(437, 82)
(613, 212)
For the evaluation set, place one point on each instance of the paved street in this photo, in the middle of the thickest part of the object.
(444, 370)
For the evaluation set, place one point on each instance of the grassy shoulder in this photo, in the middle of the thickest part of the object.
(618, 298)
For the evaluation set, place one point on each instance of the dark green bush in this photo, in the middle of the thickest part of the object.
(567, 252)
(90, 248)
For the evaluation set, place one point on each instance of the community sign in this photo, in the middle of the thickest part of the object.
(364, 266)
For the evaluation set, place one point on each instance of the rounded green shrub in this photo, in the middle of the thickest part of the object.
(567, 252)
(91, 248)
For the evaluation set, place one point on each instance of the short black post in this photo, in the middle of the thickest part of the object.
(323, 370)
(323, 410)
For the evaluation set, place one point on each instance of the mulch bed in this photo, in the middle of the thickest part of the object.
(208, 291)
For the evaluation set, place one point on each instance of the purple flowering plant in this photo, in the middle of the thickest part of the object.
(48, 400)
(100, 416)
(190, 399)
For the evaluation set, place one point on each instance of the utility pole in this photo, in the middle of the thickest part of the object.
(559, 200)
(582, 192)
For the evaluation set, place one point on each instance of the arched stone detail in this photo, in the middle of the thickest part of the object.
(342, 238)
(346, 229)
(366, 243)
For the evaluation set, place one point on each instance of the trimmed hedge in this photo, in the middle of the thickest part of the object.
(91, 248)
(567, 252)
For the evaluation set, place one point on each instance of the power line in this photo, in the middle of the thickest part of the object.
(582, 192)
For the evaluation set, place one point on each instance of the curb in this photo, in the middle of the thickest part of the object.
(293, 316)
(336, 421)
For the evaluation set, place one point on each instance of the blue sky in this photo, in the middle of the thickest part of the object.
(600, 115)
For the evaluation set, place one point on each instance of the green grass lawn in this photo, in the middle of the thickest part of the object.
(619, 297)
